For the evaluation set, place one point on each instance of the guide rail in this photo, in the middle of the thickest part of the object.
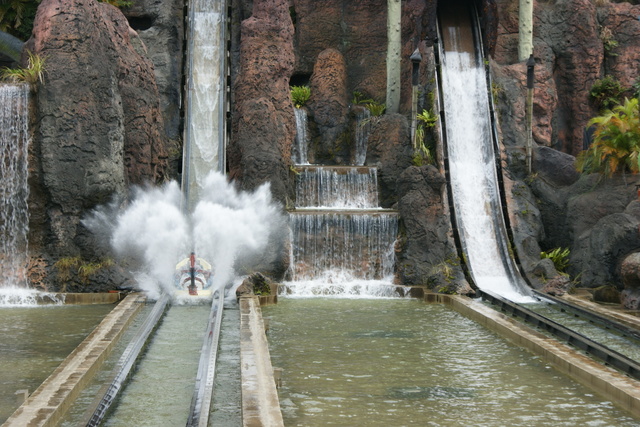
(606, 355)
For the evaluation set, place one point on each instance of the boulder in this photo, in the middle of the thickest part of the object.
(263, 125)
(389, 149)
(328, 108)
(426, 252)
(100, 127)
(557, 286)
(158, 27)
(255, 284)
(606, 294)
(630, 274)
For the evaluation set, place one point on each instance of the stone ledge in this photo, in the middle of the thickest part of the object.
(260, 403)
(49, 403)
(609, 383)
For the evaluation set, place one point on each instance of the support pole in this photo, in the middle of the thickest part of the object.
(394, 47)
(525, 29)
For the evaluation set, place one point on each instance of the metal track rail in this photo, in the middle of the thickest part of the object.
(605, 322)
(128, 359)
(201, 399)
(599, 351)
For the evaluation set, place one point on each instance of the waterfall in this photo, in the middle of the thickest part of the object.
(341, 241)
(337, 187)
(363, 127)
(474, 182)
(206, 105)
(343, 247)
(14, 190)
(300, 148)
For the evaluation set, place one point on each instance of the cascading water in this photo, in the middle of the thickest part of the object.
(363, 127)
(300, 149)
(205, 130)
(337, 187)
(14, 191)
(473, 169)
(341, 242)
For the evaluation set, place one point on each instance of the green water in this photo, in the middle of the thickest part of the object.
(350, 362)
(35, 340)
(159, 394)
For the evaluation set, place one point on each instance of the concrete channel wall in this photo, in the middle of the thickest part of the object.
(48, 404)
(609, 383)
(260, 403)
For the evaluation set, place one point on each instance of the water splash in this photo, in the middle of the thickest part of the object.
(300, 149)
(24, 297)
(227, 227)
(14, 190)
(337, 187)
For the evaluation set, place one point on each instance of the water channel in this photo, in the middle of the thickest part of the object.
(35, 340)
(401, 362)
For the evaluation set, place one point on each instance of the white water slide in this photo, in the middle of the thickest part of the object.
(205, 115)
(472, 167)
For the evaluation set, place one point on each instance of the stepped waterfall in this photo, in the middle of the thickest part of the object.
(14, 190)
(341, 241)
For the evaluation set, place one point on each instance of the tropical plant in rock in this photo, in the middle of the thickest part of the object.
(559, 256)
(33, 74)
(616, 141)
(423, 154)
(608, 41)
(375, 108)
(300, 95)
(16, 17)
(606, 93)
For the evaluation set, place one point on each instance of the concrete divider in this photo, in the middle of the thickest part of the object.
(48, 403)
(609, 383)
(260, 403)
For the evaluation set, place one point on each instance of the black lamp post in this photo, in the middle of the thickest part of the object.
(531, 63)
(416, 59)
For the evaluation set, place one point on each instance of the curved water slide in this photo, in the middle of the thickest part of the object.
(205, 131)
(471, 147)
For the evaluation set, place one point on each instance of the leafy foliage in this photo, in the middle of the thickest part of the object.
(375, 108)
(616, 145)
(16, 16)
(33, 74)
(559, 256)
(300, 95)
(607, 92)
(423, 152)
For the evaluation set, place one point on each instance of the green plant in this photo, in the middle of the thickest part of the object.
(496, 91)
(616, 142)
(422, 153)
(32, 74)
(609, 43)
(375, 108)
(64, 266)
(559, 256)
(300, 95)
(606, 92)
(119, 3)
(16, 17)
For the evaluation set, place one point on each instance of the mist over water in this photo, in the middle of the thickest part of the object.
(227, 228)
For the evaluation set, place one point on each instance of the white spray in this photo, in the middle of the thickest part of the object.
(225, 228)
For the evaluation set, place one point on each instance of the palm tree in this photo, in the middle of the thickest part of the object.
(616, 145)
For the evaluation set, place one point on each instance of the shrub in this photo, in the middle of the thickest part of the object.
(375, 108)
(606, 93)
(559, 256)
(616, 146)
(32, 74)
(300, 95)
